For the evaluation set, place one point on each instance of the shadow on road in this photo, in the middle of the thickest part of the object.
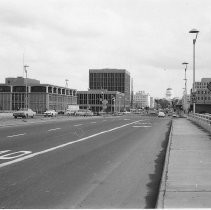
(155, 178)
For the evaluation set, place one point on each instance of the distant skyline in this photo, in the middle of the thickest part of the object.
(63, 39)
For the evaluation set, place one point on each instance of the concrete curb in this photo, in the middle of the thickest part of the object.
(162, 188)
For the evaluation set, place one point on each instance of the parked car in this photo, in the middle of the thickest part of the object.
(61, 112)
(70, 113)
(161, 114)
(50, 113)
(174, 115)
(24, 113)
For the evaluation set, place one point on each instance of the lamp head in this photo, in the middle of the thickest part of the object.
(185, 63)
(194, 31)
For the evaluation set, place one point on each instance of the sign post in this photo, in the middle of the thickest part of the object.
(194, 99)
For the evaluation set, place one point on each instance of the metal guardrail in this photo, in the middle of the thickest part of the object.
(204, 120)
(202, 117)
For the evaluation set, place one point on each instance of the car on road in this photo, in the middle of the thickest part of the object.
(24, 113)
(70, 113)
(50, 113)
(174, 115)
(161, 114)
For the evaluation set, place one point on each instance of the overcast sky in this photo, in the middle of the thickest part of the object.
(63, 39)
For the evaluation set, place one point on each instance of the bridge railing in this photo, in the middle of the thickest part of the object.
(204, 120)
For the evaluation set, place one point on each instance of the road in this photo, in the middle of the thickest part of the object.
(112, 162)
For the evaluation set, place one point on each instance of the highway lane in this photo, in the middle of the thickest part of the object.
(110, 169)
(42, 136)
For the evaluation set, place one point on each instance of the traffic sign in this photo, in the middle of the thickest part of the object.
(194, 99)
(209, 86)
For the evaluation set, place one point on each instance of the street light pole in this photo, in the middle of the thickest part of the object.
(194, 31)
(185, 95)
(26, 98)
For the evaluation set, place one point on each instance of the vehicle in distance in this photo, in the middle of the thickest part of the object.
(50, 113)
(174, 115)
(161, 114)
(84, 112)
(24, 113)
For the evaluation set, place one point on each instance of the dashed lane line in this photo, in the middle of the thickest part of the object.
(141, 126)
(78, 125)
(53, 129)
(21, 134)
(62, 145)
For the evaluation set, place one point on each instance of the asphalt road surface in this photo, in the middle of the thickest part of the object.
(112, 162)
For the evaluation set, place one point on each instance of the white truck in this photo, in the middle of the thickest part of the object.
(72, 109)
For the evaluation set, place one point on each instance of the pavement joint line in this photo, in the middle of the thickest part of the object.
(141, 126)
(21, 134)
(53, 129)
(62, 145)
(78, 125)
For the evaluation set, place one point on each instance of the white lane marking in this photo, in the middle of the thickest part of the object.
(78, 125)
(92, 122)
(14, 155)
(62, 145)
(21, 134)
(144, 123)
(142, 126)
(2, 152)
(53, 129)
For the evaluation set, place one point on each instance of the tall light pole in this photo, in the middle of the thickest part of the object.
(185, 93)
(194, 31)
(26, 98)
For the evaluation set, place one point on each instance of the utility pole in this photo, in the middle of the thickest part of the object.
(26, 98)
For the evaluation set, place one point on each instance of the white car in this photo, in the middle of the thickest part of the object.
(161, 114)
(24, 113)
(50, 113)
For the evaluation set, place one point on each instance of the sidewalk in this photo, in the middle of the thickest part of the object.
(186, 181)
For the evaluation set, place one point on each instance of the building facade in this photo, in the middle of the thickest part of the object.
(152, 102)
(111, 80)
(141, 99)
(203, 96)
(169, 94)
(101, 100)
(38, 97)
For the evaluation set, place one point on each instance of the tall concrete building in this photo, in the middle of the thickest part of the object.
(111, 80)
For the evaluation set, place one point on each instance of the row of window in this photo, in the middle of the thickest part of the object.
(204, 98)
(203, 92)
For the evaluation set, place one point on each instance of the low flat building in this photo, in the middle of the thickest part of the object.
(38, 97)
(101, 100)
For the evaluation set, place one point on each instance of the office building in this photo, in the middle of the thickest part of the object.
(101, 100)
(111, 80)
(38, 97)
(152, 102)
(203, 96)
(141, 99)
